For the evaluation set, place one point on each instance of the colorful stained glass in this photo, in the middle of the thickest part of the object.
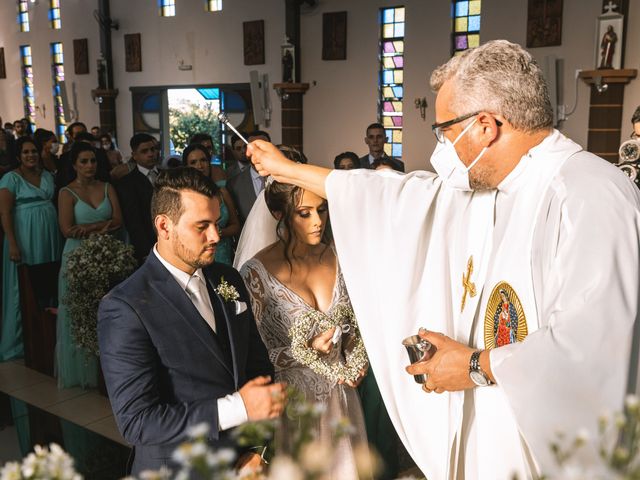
(23, 15)
(167, 8)
(213, 5)
(54, 14)
(57, 74)
(392, 76)
(466, 24)
(28, 93)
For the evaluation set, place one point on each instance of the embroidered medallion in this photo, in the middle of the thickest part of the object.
(504, 320)
(468, 286)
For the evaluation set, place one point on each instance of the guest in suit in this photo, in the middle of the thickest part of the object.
(246, 185)
(175, 352)
(375, 139)
(135, 190)
(238, 161)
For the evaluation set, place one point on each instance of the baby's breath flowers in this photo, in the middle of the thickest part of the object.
(51, 463)
(227, 291)
(355, 358)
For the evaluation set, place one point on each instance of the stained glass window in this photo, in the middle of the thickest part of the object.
(23, 15)
(167, 8)
(54, 14)
(466, 25)
(28, 94)
(213, 5)
(57, 73)
(392, 21)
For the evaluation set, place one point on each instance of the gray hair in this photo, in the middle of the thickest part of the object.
(498, 77)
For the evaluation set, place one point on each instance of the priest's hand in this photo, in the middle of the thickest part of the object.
(268, 160)
(448, 368)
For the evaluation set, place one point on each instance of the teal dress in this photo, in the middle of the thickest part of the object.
(35, 224)
(74, 367)
(224, 249)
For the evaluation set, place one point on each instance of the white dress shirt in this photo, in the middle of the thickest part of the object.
(231, 410)
(150, 173)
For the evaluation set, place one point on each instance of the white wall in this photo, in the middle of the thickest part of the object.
(343, 99)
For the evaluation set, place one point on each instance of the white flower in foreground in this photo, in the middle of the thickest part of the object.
(163, 474)
(226, 455)
(11, 471)
(284, 467)
(199, 430)
(315, 457)
(631, 402)
(368, 462)
(583, 436)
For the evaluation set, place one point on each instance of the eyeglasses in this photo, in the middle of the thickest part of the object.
(438, 128)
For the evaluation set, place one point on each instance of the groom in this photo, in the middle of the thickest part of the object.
(175, 351)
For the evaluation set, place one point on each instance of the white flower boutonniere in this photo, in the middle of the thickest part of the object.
(229, 294)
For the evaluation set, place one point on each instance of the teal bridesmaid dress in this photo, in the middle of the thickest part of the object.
(35, 224)
(224, 249)
(75, 367)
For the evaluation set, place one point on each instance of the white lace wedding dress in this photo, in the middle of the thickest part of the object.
(276, 309)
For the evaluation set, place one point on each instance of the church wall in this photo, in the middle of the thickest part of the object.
(342, 98)
(77, 22)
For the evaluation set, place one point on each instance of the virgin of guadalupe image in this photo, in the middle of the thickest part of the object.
(505, 322)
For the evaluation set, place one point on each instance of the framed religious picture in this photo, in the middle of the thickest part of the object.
(253, 39)
(544, 23)
(81, 56)
(334, 36)
(132, 52)
(3, 69)
(609, 40)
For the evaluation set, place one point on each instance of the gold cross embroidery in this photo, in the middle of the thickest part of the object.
(467, 284)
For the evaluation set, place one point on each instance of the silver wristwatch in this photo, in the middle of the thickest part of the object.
(476, 374)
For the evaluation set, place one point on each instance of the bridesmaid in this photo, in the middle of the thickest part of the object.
(197, 156)
(32, 237)
(85, 206)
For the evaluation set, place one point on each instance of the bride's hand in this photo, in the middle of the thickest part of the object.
(357, 381)
(323, 342)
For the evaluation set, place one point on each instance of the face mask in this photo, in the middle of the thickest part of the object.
(449, 167)
(54, 148)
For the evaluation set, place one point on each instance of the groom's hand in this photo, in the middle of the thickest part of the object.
(263, 399)
(448, 368)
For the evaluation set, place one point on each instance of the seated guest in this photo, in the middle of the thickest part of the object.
(246, 185)
(173, 350)
(48, 146)
(197, 156)
(113, 154)
(346, 161)
(375, 139)
(32, 237)
(85, 206)
(134, 192)
(217, 174)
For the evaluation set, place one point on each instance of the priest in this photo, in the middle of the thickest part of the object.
(519, 258)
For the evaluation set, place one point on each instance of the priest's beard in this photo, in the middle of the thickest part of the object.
(480, 177)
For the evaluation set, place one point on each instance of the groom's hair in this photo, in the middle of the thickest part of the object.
(166, 198)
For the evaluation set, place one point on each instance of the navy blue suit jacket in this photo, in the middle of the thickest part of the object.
(164, 367)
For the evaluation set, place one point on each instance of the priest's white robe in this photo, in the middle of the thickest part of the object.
(560, 238)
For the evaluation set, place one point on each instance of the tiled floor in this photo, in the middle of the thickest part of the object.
(82, 407)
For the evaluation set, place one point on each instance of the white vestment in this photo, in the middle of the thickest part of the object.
(560, 239)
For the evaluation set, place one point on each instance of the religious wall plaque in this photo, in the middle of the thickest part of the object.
(81, 56)
(253, 38)
(334, 36)
(3, 69)
(544, 23)
(133, 52)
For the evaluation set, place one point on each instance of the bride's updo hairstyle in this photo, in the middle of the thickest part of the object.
(283, 198)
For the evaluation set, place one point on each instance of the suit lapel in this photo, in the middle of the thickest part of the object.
(228, 314)
(171, 292)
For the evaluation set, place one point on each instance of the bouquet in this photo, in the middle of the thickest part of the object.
(99, 263)
(51, 463)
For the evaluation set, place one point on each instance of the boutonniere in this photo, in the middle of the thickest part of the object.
(229, 294)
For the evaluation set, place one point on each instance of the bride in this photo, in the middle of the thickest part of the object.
(303, 312)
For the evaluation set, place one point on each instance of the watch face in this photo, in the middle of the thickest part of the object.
(478, 378)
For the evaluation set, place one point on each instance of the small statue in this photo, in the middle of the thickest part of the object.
(102, 73)
(608, 47)
(287, 67)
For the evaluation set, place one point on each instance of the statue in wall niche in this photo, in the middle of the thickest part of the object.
(608, 47)
(102, 73)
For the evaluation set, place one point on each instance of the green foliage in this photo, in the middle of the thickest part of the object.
(191, 119)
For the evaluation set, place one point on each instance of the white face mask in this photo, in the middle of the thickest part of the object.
(449, 167)
(54, 148)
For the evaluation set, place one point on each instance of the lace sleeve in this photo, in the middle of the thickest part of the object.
(280, 357)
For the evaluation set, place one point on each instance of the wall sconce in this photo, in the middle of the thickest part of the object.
(282, 94)
(97, 99)
(42, 110)
(183, 66)
(421, 103)
(600, 87)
